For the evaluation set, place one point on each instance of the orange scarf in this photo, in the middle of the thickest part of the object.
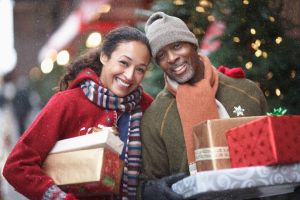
(195, 103)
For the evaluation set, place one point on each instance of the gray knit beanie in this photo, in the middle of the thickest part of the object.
(162, 29)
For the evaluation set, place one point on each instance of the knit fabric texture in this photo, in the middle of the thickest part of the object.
(162, 29)
(105, 98)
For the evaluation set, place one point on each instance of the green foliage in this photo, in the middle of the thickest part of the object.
(273, 65)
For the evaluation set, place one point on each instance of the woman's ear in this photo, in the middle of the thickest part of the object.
(103, 58)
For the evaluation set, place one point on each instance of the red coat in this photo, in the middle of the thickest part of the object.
(65, 114)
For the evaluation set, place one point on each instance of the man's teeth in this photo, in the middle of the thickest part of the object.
(122, 83)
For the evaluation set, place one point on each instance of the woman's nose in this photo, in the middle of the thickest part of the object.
(129, 72)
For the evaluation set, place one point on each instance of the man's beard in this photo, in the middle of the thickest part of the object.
(183, 78)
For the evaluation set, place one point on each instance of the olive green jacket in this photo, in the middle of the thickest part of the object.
(163, 146)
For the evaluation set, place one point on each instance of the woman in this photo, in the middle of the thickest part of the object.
(115, 74)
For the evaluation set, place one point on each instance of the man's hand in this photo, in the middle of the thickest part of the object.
(161, 188)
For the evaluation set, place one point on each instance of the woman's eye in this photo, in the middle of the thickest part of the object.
(124, 63)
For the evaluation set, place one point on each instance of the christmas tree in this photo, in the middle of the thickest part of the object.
(250, 34)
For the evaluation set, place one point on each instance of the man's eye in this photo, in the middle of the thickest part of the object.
(177, 45)
(160, 55)
(141, 69)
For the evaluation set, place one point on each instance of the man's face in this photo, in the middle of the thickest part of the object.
(178, 60)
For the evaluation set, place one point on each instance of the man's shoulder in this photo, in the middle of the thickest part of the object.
(162, 101)
(238, 84)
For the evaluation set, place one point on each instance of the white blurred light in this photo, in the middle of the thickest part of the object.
(47, 66)
(63, 57)
(93, 40)
(7, 51)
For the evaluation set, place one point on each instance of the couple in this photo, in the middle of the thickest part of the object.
(194, 92)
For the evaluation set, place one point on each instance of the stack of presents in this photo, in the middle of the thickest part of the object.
(87, 165)
(246, 157)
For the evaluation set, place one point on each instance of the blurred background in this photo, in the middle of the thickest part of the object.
(39, 37)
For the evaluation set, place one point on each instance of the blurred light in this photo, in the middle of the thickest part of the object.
(197, 30)
(52, 54)
(293, 74)
(200, 9)
(104, 8)
(252, 31)
(47, 65)
(257, 43)
(211, 18)
(267, 93)
(63, 57)
(178, 2)
(205, 3)
(272, 19)
(236, 39)
(93, 40)
(249, 65)
(246, 2)
(265, 54)
(35, 74)
(277, 92)
(258, 53)
(269, 75)
(278, 40)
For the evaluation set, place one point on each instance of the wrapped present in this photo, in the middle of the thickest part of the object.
(87, 165)
(266, 141)
(211, 149)
(87, 172)
(240, 183)
(100, 137)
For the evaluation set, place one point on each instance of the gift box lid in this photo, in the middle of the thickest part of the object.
(104, 138)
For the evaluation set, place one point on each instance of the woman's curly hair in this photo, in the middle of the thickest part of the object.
(91, 58)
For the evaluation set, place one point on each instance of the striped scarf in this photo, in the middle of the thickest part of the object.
(106, 99)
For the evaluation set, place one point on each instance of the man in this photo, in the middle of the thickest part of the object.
(194, 92)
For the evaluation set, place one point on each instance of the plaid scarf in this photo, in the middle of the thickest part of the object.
(106, 99)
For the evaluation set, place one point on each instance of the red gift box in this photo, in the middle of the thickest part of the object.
(266, 141)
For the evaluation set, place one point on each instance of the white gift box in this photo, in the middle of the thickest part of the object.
(240, 183)
(104, 138)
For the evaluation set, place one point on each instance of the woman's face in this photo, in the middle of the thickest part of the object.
(124, 71)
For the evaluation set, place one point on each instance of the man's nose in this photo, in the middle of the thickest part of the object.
(172, 57)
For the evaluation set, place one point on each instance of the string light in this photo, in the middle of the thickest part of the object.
(246, 2)
(200, 9)
(249, 65)
(258, 53)
(277, 92)
(205, 3)
(93, 40)
(211, 18)
(272, 19)
(269, 75)
(293, 74)
(236, 39)
(267, 93)
(47, 65)
(252, 31)
(265, 54)
(63, 57)
(278, 40)
(198, 31)
(104, 8)
(178, 2)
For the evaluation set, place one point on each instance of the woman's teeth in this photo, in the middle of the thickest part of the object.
(122, 83)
